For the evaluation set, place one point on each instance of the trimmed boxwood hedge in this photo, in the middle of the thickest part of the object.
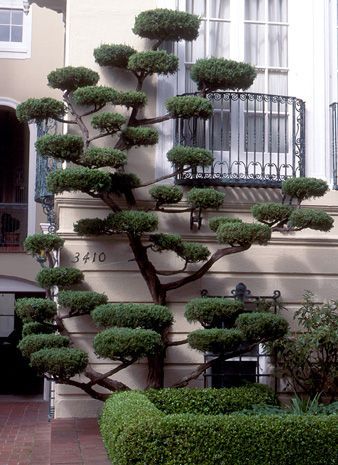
(135, 432)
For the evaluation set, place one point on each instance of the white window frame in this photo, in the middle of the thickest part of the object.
(18, 50)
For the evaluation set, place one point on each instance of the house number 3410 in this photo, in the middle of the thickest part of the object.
(89, 257)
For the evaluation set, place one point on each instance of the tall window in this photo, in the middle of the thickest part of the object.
(15, 30)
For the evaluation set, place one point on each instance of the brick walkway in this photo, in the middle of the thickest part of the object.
(26, 437)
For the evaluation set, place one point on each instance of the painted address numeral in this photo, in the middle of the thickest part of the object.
(89, 257)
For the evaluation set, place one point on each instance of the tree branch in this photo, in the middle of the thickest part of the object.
(162, 178)
(177, 343)
(113, 371)
(107, 383)
(155, 120)
(87, 389)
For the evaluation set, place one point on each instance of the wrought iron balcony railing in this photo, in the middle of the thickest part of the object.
(334, 142)
(256, 140)
(13, 226)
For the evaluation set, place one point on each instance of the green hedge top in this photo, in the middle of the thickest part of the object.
(153, 61)
(79, 178)
(31, 309)
(131, 98)
(164, 24)
(136, 136)
(205, 198)
(108, 122)
(304, 188)
(61, 363)
(181, 156)
(41, 109)
(258, 326)
(166, 194)
(67, 147)
(94, 95)
(39, 243)
(34, 327)
(311, 218)
(63, 277)
(71, 78)
(115, 55)
(271, 213)
(243, 234)
(98, 157)
(191, 252)
(35, 342)
(81, 302)
(189, 107)
(133, 222)
(216, 221)
(212, 311)
(215, 340)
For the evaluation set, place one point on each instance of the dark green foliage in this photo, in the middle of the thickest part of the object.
(166, 194)
(97, 157)
(304, 188)
(81, 302)
(164, 24)
(35, 342)
(211, 312)
(30, 309)
(146, 316)
(135, 136)
(189, 107)
(216, 221)
(39, 243)
(62, 277)
(94, 95)
(78, 179)
(258, 326)
(108, 122)
(62, 363)
(71, 78)
(191, 252)
(37, 328)
(131, 98)
(181, 156)
(153, 61)
(123, 183)
(312, 219)
(210, 401)
(91, 227)
(133, 222)
(212, 74)
(271, 213)
(205, 198)
(243, 234)
(217, 341)
(40, 109)
(127, 343)
(62, 146)
(116, 55)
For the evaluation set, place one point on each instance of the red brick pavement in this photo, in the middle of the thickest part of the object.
(27, 438)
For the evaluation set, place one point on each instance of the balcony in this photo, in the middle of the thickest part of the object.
(334, 142)
(13, 226)
(256, 139)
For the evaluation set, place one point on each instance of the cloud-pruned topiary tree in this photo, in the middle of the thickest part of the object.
(131, 331)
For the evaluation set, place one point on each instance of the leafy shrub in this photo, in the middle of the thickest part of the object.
(192, 252)
(94, 95)
(217, 341)
(166, 194)
(140, 136)
(81, 302)
(131, 98)
(216, 221)
(153, 61)
(244, 234)
(146, 316)
(36, 342)
(62, 146)
(78, 179)
(37, 309)
(312, 219)
(271, 213)
(220, 74)
(205, 198)
(181, 156)
(211, 312)
(40, 109)
(98, 157)
(35, 327)
(189, 107)
(133, 222)
(124, 343)
(71, 78)
(304, 188)
(62, 277)
(261, 325)
(91, 227)
(115, 55)
(109, 122)
(123, 183)
(61, 363)
(36, 243)
(164, 24)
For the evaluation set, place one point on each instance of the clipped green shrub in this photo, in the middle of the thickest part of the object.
(191, 252)
(61, 363)
(62, 146)
(108, 122)
(133, 222)
(35, 309)
(40, 109)
(205, 198)
(91, 227)
(166, 194)
(153, 61)
(188, 107)
(211, 312)
(78, 178)
(146, 316)
(62, 277)
(131, 98)
(212, 74)
(36, 342)
(304, 188)
(217, 341)
(124, 343)
(164, 24)
(81, 302)
(123, 183)
(35, 327)
(39, 242)
(94, 95)
(243, 234)
(312, 219)
(271, 213)
(216, 221)
(181, 156)
(210, 401)
(262, 325)
(136, 136)
(115, 55)
(71, 78)
(98, 157)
